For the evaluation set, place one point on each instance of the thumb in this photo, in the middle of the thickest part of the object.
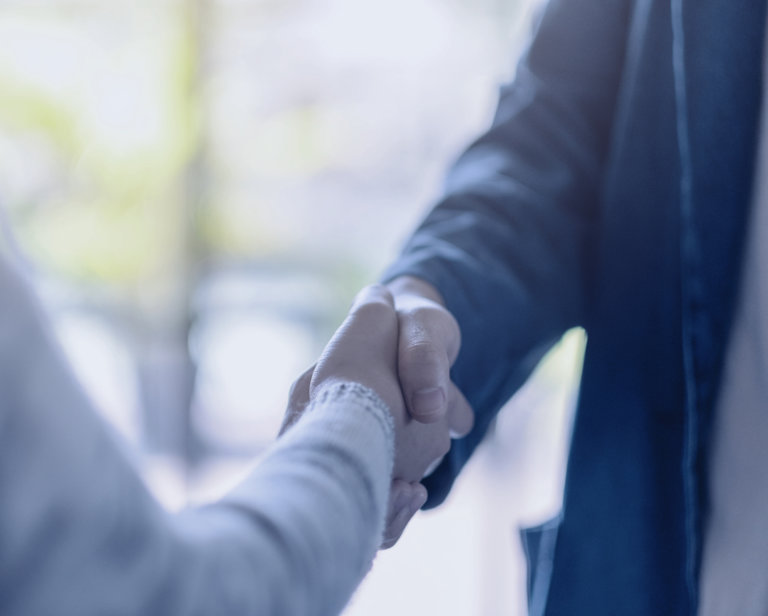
(298, 399)
(428, 345)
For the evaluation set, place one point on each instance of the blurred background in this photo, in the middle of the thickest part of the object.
(199, 187)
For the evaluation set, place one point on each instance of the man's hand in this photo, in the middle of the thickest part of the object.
(365, 349)
(429, 344)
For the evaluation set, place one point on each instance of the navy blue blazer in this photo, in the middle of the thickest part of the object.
(611, 193)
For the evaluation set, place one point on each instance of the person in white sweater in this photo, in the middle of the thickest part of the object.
(80, 534)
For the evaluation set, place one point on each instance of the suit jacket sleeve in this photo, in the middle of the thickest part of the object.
(511, 245)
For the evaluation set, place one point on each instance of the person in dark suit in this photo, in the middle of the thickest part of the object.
(620, 188)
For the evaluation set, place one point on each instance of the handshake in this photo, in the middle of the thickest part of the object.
(400, 341)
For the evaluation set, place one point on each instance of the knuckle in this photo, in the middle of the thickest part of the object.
(434, 313)
(422, 365)
(426, 314)
(424, 353)
(433, 323)
(376, 292)
(376, 309)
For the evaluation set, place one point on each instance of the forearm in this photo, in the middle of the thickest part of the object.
(517, 219)
(81, 534)
(311, 514)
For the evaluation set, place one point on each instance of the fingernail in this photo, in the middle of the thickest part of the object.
(401, 500)
(428, 402)
(418, 501)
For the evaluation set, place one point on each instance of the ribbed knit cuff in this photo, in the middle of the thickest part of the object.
(364, 398)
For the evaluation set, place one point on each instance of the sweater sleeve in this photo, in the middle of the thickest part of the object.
(80, 534)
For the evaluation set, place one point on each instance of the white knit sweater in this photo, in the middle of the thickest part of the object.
(80, 535)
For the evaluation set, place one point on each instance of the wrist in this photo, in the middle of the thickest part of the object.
(334, 394)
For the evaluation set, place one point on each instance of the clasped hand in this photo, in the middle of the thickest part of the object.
(400, 342)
